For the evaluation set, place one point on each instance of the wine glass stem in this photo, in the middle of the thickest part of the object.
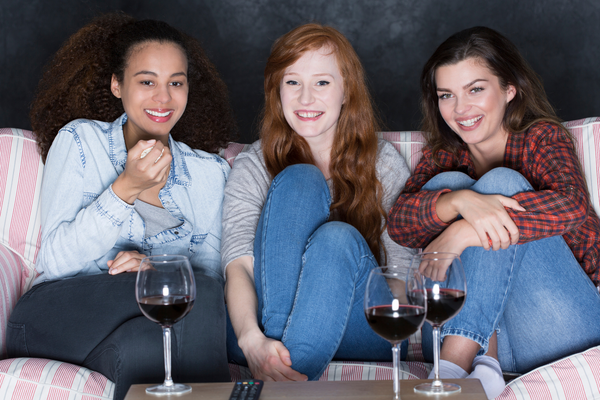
(436, 355)
(167, 348)
(396, 372)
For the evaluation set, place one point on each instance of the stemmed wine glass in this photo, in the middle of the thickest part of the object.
(395, 307)
(165, 292)
(446, 288)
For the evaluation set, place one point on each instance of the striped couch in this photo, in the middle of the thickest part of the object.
(21, 168)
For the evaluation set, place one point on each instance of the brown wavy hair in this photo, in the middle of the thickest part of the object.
(357, 193)
(76, 83)
(529, 106)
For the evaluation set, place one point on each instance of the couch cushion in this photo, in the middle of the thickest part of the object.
(587, 136)
(36, 378)
(354, 371)
(21, 170)
(10, 290)
(573, 377)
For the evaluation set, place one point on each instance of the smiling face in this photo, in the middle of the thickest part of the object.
(472, 103)
(312, 94)
(154, 91)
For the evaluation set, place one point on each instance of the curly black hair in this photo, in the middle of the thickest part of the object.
(76, 83)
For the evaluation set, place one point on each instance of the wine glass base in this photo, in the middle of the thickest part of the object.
(437, 388)
(174, 390)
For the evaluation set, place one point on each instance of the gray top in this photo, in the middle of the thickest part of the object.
(156, 219)
(246, 192)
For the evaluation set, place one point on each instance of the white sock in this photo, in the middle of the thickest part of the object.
(487, 370)
(449, 370)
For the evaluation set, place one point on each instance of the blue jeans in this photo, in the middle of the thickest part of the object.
(535, 295)
(310, 277)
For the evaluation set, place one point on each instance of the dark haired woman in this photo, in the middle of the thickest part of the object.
(114, 192)
(304, 214)
(500, 173)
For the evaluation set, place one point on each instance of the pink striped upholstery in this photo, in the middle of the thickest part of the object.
(573, 377)
(21, 169)
(355, 371)
(10, 278)
(38, 379)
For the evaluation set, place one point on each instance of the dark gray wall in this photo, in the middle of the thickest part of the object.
(394, 38)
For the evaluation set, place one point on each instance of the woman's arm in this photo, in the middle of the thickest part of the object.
(560, 202)
(392, 173)
(268, 359)
(420, 216)
(75, 230)
(413, 221)
(245, 195)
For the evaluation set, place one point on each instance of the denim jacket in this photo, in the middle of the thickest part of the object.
(84, 224)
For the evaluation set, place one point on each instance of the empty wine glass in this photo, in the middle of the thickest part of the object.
(165, 292)
(446, 288)
(395, 307)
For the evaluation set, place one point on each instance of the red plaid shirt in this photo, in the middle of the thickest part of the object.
(560, 204)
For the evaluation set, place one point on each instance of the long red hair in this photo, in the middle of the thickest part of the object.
(357, 193)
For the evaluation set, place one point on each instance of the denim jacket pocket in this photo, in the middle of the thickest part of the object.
(196, 241)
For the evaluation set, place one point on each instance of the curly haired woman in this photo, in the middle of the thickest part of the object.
(126, 117)
(304, 214)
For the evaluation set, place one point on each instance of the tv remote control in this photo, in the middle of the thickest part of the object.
(246, 390)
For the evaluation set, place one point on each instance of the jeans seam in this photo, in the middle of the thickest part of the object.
(117, 375)
(263, 244)
(290, 317)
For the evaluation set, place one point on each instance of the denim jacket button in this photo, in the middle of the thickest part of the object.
(176, 232)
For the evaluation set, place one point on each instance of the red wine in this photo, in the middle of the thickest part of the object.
(166, 310)
(395, 326)
(444, 305)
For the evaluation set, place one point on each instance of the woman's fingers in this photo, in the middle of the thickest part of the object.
(270, 360)
(125, 261)
(511, 203)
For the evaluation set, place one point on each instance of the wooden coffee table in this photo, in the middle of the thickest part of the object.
(338, 390)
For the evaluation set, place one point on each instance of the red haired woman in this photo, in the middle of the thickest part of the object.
(304, 214)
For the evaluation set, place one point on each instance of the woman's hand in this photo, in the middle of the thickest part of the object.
(488, 216)
(269, 360)
(147, 166)
(125, 261)
(454, 239)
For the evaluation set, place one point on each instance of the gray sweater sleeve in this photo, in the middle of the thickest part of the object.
(392, 173)
(246, 192)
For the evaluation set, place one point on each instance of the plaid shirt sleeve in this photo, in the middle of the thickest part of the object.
(413, 220)
(560, 201)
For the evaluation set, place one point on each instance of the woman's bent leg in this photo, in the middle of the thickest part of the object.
(553, 309)
(328, 302)
(297, 204)
(536, 292)
(95, 321)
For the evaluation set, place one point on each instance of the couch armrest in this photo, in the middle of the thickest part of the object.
(11, 267)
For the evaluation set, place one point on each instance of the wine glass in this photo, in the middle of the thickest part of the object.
(165, 292)
(395, 307)
(446, 295)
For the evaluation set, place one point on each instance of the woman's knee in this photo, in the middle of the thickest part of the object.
(503, 181)
(452, 180)
(339, 240)
(301, 177)
(336, 234)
